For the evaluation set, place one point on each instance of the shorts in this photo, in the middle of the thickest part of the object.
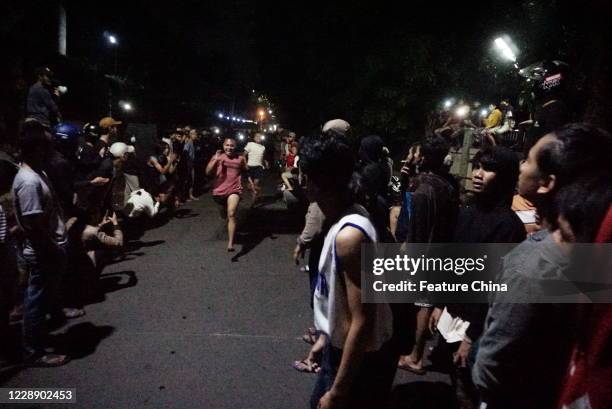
(222, 202)
(256, 172)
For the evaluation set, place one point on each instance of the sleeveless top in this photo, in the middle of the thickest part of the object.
(331, 310)
(228, 180)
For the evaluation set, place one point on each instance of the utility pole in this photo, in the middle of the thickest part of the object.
(62, 30)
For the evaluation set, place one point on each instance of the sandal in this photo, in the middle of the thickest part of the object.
(305, 367)
(48, 361)
(73, 312)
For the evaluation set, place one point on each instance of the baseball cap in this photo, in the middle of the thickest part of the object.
(337, 126)
(108, 121)
(118, 149)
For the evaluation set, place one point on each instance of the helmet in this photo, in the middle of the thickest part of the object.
(91, 132)
(66, 137)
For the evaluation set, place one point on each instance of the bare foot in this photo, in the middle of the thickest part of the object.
(406, 363)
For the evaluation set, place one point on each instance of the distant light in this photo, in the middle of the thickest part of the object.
(220, 116)
(217, 131)
(253, 91)
(233, 118)
(448, 103)
(227, 117)
(241, 136)
(261, 112)
(263, 137)
(270, 111)
(504, 49)
(484, 112)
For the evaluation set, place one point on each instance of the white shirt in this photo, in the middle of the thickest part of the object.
(255, 153)
(141, 202)
(331, 310)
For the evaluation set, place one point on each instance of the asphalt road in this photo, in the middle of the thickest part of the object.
(181, 323)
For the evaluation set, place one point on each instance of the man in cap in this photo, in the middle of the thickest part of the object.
(338, 127)
(40, 104)
(108, 126)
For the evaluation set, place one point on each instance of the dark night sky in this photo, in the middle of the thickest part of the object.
(368, 61)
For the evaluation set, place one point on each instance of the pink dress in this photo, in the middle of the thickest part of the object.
(228, 179)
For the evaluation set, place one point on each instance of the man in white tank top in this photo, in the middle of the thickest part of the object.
(359, 361)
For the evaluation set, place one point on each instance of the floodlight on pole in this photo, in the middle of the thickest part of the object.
(504, 49)
(126, 106)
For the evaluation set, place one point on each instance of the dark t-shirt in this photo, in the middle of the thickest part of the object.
(62, 175)
(41, 106)
(132, 166)
(480, 224)
(434, 210)
(88, 160)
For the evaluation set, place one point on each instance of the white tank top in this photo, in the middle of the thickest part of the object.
(331, 310)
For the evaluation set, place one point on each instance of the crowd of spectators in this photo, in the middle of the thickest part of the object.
(513, 354)
(66, 219)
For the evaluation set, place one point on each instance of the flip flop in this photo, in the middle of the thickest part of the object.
(302, 366)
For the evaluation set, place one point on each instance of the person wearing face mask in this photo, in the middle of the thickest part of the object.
(228, 167)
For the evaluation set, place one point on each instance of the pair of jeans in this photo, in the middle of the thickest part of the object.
(41, 298)
(370, 387)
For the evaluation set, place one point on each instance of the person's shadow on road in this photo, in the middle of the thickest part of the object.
(81, 340)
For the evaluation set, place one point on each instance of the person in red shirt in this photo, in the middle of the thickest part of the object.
(291, 166)
(228, 167)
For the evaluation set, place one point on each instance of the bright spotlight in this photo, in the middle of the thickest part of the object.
(504, 49)
(220, 116)
(217, 131)
(462, 111)
(484, 113)
(448, 103)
